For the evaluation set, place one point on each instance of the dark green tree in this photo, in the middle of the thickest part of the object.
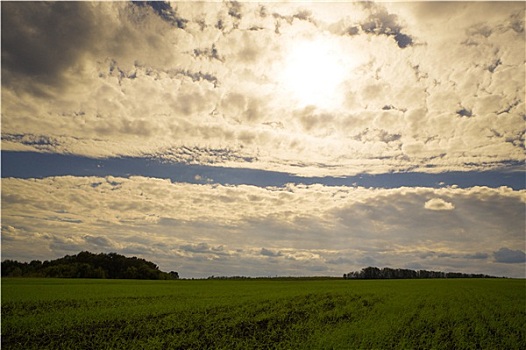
(88, 265)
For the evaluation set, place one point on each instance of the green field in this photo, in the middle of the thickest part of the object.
(264, 314)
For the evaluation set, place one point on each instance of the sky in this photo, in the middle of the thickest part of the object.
(266, 139)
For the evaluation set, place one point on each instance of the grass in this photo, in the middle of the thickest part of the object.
(263, 314)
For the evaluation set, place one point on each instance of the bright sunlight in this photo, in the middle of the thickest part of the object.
(313, 72)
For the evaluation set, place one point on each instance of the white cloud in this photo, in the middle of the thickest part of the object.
(201, 230)
(209, 76)
(438, 204)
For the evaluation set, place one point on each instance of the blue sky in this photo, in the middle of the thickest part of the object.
(263, 139)
(38, 165)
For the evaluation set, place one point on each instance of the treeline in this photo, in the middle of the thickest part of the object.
(88, 265)
(275, 278)
(388, 273)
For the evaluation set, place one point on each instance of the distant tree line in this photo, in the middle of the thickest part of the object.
(228, 277)
(388, 273)
(282, 278)
(88, 265)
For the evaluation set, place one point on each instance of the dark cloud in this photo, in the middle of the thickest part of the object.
(195, 155)
(196, 248)
(234, 9)
(97, 241)
(200, 76)
(494, 65)
(63, 244)
(122, 72)
(478, 256)
(517, 22)
(67, 220)
(479, 30)
(205, 251)
(231, 22)
(414, 266)
(427, 254)
(46, 46)
(381, 22)
(220, 25)
(40, 142)
(263, 13)
(367, 260)
(465, 112)
(302, 15)
(115, 70)
(340, 261)
(41, 40)
(165, 11)
(317, 268)
(403, 40)
(508, 256)
(210, 53)
(376, 135)
(268, 252)
(354, 30)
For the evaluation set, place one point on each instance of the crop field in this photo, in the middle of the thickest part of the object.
(264, 314)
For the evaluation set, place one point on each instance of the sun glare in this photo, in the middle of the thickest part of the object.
(313, 71)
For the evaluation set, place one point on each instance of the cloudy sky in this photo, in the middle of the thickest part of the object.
(263, 139)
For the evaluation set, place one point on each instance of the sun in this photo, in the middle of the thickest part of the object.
(313, 72)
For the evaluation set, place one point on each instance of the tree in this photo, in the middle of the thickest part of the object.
(388, 273)
(88, 265)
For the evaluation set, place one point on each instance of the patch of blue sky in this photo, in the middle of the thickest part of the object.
(39, 165)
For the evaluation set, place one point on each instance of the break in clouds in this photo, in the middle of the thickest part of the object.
(204, 230)
(416, 86)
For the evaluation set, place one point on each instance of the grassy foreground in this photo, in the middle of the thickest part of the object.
(263, 314)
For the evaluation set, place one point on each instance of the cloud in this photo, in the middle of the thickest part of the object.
(381, 22)
(416, 92)
(211, 53)
(165, 11)
(509, 256)
(198, 229)
(202, 248)
(478, 255)
(438, 204)
(270, 253)
(99, 241)
(37, 42)
(48, 45)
